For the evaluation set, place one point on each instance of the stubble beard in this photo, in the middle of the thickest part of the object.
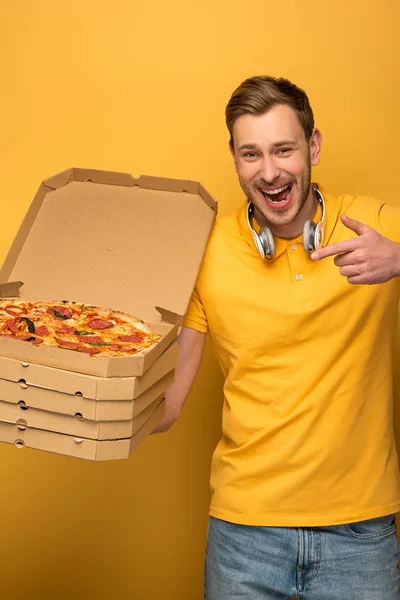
(286, 216)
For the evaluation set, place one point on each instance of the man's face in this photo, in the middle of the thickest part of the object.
(273, 161)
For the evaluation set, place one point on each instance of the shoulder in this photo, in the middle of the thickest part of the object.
(359, 206)
(224, 231)
(382, 216)
(227, 225)
(365, 209)
(222, 248)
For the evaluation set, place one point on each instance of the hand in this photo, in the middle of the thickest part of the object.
(169, 417)
(369, 258)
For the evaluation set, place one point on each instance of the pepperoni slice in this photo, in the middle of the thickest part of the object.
(100, 324)
(88, 350)
(124, 349)
(15, 312)
(116, 348)
(130, 338)
(12, 324)
(91, 339)
(37, 341)
(66, 344)
(42, 330)
(64, 328)
(65, 313)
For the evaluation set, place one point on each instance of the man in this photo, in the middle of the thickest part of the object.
(305, 482)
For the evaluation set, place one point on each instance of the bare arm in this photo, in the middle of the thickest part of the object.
(191, 346)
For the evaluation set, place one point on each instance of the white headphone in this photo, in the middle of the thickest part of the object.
(313, 233)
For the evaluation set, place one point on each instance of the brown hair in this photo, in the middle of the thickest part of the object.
(258, 95)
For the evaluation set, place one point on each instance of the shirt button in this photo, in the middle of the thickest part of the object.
(294, 246)
(299, 276)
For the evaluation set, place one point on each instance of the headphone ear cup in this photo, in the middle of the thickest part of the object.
(267, 241)
(309, 236)
(319, 236)
(258, 242)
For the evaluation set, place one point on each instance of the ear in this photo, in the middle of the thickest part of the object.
(232, 151)
(315, 147)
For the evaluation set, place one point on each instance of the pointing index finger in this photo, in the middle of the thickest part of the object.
(336, 248)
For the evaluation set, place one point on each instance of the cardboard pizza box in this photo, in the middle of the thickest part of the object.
(25, 398)
(86, 386)
(111, 240)
(79, 447)
(95, 430)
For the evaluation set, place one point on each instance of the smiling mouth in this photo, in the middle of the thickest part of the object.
(277, 195)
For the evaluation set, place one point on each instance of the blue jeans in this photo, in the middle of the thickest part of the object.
(357, 561)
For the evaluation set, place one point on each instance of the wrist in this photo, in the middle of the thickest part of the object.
(168, 419)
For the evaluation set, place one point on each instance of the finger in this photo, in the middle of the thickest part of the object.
(349, 271)
(356, 226)
(358, 279)
(341, 260)
(336, 248)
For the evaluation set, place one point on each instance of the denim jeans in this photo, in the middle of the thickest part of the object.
(357, 561)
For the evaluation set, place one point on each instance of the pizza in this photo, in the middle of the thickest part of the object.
(81, 327)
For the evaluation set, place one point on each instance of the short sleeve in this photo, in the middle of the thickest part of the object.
(195, 316)
(389, 218)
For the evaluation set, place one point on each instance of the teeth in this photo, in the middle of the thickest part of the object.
(268, 194)
(278, 191)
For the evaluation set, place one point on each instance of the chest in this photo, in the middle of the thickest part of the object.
(251, 303)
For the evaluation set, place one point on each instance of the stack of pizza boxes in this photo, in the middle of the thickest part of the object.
(109, 240)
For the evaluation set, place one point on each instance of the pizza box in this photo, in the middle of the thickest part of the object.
(110, 240)
(29, 375)
(95, 430)
(79, 447)
(27, 399)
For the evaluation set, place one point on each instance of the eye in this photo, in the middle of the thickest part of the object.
(250, 154)
(284, 151)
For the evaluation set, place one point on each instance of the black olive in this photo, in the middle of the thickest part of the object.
(31, 325)
(59, 315)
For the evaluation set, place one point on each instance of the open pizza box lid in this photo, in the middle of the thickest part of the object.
(111, 240)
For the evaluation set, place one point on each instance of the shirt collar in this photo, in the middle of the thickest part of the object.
(331, 218)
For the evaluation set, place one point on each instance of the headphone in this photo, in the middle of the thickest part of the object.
(313, 233)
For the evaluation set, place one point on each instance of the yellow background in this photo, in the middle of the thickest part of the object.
(141, 87)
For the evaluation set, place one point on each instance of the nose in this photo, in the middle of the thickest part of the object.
(269, 170)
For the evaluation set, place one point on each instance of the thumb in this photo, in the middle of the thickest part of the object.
(356, 226)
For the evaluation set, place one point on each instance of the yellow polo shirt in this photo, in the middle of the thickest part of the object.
(307, 430)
